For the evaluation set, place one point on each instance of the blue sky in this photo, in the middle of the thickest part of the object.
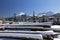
(9, 7)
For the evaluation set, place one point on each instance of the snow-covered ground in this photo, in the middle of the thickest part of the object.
(55, 26)
(35, 36)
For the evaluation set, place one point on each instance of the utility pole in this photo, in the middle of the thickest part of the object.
(43, 20)
(34, 16)
(14, 17)
(25, 17)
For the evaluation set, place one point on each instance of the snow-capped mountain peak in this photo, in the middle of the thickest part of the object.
(20, 14)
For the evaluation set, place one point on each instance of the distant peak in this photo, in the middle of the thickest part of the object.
(20, 14)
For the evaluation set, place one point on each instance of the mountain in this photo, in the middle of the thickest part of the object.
(56, 15)
(49, 13)
(20, 14)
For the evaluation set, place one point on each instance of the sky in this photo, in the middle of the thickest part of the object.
(9, 7)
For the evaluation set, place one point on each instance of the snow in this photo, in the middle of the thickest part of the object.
(56, 39)
(37, 36)
(55, 26)
(20, 14)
